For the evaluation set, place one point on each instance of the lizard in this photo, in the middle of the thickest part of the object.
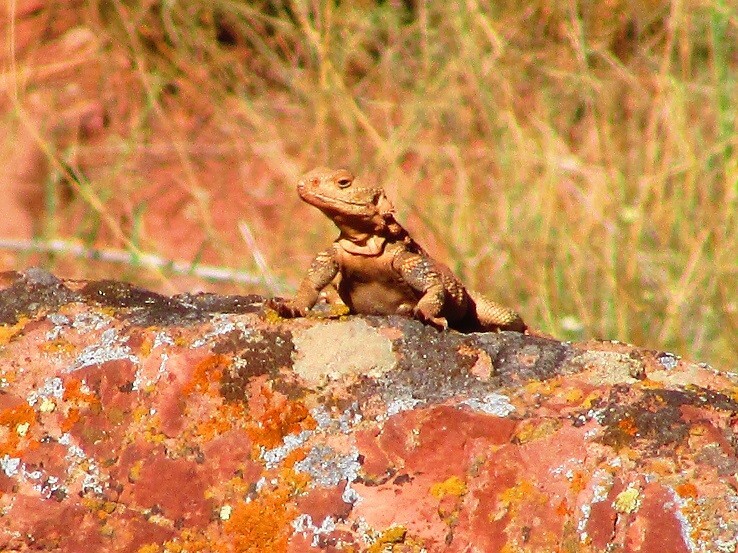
(383, 271)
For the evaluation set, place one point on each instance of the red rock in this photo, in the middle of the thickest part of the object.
(180, 447)
(45, 523)
(321, 503)
(171, 401)
(656, 527)
(375, 464)
(229, 453)
(485, 518)
(10, 401)
(173, 487)
(600, 526)
(110, 382)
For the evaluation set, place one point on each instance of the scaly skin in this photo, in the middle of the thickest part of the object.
(382, 269)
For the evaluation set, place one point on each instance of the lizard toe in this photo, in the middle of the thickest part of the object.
(286, 308)
(437, 322)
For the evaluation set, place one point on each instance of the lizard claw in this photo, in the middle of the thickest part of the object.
(437, 322)
(286, 308)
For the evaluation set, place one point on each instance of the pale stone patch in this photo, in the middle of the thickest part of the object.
(608, 368)
(332, 350)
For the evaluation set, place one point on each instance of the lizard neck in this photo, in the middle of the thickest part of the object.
(361, 244)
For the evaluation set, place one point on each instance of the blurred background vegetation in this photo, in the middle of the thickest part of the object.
(576, 159)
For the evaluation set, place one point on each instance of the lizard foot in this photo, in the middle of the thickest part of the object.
(437, 322)
(286, 308)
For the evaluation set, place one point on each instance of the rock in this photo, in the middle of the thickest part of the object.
(131, 421)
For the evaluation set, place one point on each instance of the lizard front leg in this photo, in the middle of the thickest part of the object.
(420, 274)
(321, 273)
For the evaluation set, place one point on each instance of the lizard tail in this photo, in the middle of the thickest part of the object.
(494, 316)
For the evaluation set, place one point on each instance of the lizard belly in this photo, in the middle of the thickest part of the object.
(376, 298)
(370, 285)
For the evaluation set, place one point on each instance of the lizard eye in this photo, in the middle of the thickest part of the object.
(344, 182)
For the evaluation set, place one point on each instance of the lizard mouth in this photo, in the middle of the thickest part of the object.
(336, 201)
(338, 204)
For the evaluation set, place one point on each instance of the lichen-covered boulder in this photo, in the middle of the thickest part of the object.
(131, 421)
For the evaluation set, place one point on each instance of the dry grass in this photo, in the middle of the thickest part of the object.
(578, 160)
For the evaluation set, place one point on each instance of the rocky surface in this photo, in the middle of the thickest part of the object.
(131, 421)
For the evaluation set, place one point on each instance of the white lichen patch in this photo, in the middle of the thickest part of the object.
(10, 465)
(140, 382)
(272, 457)
(222, 324)
(304, 525)
(44, 484)
(90, 321)
(81, 467)
(332, 350)
(51, 388)
(60, 322)
(398, 405)
(343, 423)
(327, 467)
(111, 347)
(603, 481)
(162, 339)
(668, 360)
(492, 404)
(601, 484)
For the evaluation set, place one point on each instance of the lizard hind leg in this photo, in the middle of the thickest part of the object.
(487, 315)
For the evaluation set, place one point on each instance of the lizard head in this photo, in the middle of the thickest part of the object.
(338, 192)
(347, 201)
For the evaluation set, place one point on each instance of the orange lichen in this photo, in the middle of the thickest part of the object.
(573, 395)
(278, 418)
(517, 493)
(226, 417)
(15, 423)
(294, 456)
(147, 344)
(562, 509)
(8, 332)
(68, 422)
(264, 523)
(578, 482)
(8, 375)
(452, 486)
(687, 490)
(388, 539)
(58, 346)
(628, 426)
(207, 375)
(186, 542)
(530, 430)
(134, 473)
(181, 341)
(542, 388)
(272, 317)
(77, 400)
(108, 311)
(74, 392)
(152, 433)
(518, 497)
(589, 401)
